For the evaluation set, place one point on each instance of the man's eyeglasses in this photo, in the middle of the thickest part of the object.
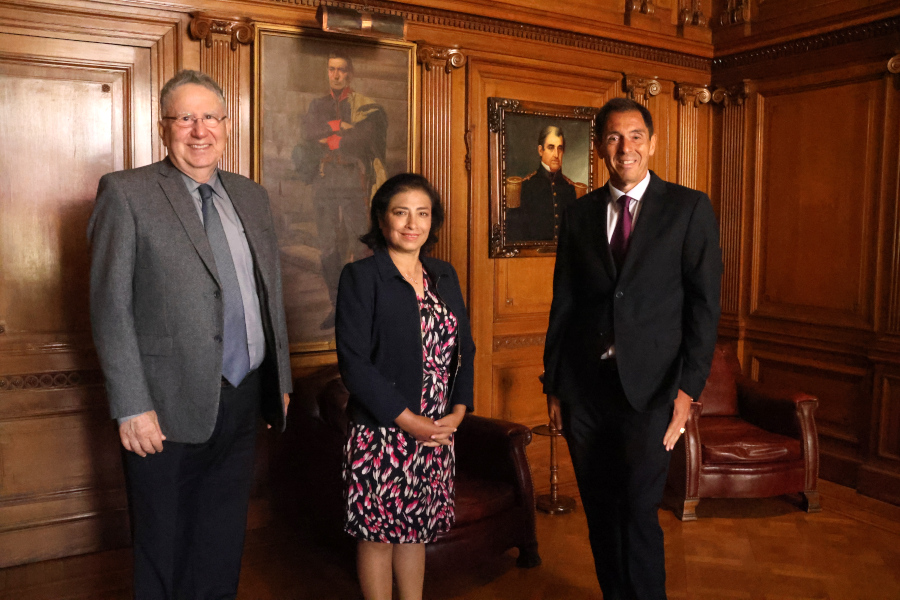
(188, 120)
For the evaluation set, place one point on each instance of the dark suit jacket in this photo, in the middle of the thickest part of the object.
(661, 311)
(545, 196)
(379, 339)
(156, 307)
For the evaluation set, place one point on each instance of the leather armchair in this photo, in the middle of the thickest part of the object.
(744, 439)
(494, 491)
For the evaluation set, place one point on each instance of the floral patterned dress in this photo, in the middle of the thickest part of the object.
(397, 490)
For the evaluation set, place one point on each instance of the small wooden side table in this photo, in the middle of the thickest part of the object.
(553, 503)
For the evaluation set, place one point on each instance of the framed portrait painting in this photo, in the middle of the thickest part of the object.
(334, 119)
(540, 161)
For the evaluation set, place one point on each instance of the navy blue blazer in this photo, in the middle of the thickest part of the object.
(379, 339)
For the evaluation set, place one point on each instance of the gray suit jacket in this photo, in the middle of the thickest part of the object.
(156, 306)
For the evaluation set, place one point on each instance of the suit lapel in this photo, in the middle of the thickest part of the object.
(596, 221)
(173, 186)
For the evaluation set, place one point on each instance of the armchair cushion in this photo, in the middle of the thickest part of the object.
(733, 440)
(478, 498)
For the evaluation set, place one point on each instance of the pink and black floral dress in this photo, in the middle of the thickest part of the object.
(397, 490)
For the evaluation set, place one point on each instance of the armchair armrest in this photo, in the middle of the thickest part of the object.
(493, 449)
(776, 409)
(693, 454)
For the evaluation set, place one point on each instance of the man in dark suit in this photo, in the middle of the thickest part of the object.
(188, 321)
(545, 193)
(632, 331)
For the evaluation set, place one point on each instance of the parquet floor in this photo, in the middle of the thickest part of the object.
(739, 549)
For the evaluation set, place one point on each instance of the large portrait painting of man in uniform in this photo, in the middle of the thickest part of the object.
(334, 122)
(541, 161)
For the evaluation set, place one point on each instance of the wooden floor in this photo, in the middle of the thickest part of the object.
(747, 549)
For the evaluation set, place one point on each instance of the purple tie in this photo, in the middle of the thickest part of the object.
(619, 242)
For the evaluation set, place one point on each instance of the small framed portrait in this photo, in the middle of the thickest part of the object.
(540, 161)
(334, 119)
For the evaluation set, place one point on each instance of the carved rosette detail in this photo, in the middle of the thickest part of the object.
(448, 58)
(692, 94)
(645, 7)
(50, 380)
(894, 65)
(735, 94)
(641, 88)
(692, 14)
(496, 106)
(203, 28)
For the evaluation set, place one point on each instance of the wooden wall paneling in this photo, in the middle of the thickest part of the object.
(524, 281)
(815, 233)
(732, 117)
(891, 202)
(690, 99)
(438, 65)
(843, 386)
(225, 56)
(659, 96)
(61, 489)
(879, 476)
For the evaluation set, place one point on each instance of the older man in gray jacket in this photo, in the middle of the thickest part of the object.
(188, 321)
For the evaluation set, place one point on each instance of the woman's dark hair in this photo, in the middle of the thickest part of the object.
(404, 182)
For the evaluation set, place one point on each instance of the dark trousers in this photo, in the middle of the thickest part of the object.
(620, 466)
(189, 502)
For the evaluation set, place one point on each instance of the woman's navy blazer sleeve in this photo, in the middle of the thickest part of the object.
(379, 339)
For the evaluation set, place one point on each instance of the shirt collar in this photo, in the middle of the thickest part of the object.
(635, 193)
(214, 182)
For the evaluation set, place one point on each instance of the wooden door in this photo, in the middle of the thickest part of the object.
(71, 112)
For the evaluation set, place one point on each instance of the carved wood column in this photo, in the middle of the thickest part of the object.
(225, 56)
(731, 193)
(640, 89)
(438, 65)
(690, 97)
(893, 315)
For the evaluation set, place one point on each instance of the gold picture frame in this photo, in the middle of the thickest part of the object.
(309, 175)
(526, 195)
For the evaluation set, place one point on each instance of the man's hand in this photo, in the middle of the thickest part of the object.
(554, 412)
(287, 401)
(142, 434)
(679, 418)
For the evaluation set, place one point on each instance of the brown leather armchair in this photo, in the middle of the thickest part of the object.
(744, 439)
(494, 491)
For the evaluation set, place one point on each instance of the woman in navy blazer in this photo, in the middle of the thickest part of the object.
(405, 352)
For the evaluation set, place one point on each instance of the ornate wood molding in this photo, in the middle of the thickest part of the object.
(50, 380)
(893, 65)
(645, 7)
(731, 193)
(447, 58)
(203, 27)
(732, 95)
(736, 11)
(691, 13)
(511, 342)
(458, 20)
(690, 97)
(223, 55)
(692, 94)
(438, 64)
(831, 39)
(640, 89)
